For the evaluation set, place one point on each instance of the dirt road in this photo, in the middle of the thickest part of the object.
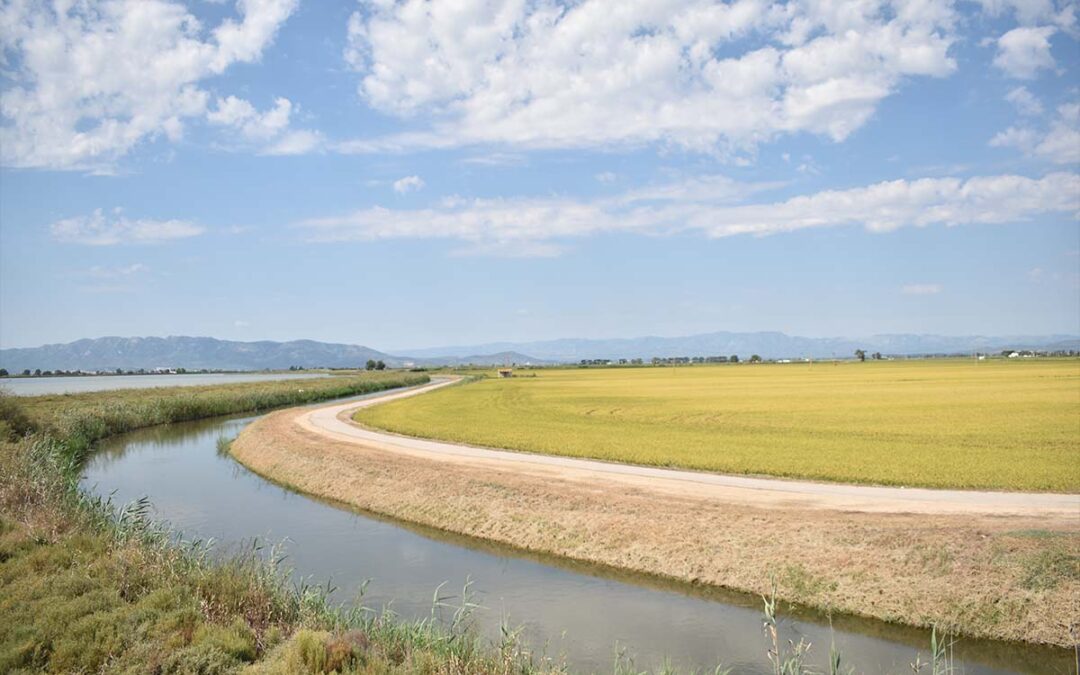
(983, 564)
(334, 421)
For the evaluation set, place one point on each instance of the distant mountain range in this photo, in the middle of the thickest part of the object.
(109, 353)
(769, 345)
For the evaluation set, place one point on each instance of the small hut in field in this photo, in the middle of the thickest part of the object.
(506, 372)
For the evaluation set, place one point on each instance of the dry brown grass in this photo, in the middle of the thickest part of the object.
(996, 577)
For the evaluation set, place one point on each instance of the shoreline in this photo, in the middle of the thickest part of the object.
(967, 574)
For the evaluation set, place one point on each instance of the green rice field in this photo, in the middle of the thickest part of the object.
(993, 424)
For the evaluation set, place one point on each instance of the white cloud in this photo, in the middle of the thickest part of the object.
(1021, 138)
(606, 177)
(268, 130)
(98, 272)
(1059, 143)
(299, 142)
(713, 189)
(496, 159)
(98, 229)
(1024, 51)
(242, 116)
(408, 184)
(921, 289)
(491, 226)
(1027, 11)
(87, 82)
(1026, 103)
(891, 205)
(708, 205)
(693, 73)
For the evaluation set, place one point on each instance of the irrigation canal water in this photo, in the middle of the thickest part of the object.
(577, 613)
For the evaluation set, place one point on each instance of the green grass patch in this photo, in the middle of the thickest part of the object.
(934, 423)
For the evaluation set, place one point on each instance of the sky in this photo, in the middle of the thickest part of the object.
(412, 174)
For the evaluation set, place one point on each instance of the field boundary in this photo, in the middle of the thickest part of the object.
(334, 421)
(994, 575)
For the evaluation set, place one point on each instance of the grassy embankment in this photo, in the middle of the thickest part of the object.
(85, 589)
(957, 424)
(1011, 578)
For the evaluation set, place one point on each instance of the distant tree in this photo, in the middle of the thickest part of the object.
(119, 371)
(37, 372)
(754, 358)
(370, 364)
(877, 356)
(734, 358)
(26, 372)
(860, 354)
(3, 372)
(379, 365)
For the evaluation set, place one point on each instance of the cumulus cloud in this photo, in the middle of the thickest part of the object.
(242, 116)
(921, 289)
(1026, 103)
(1058, 143)
(408, 184)
(99, 229)
(87, 82)
(1024, 51)
(268, 131)
(299, 142)
(708, 206)
(708, 76)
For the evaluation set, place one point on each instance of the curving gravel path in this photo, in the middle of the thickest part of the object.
(334, 421)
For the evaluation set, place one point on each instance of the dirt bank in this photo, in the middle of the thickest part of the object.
(1002, 574)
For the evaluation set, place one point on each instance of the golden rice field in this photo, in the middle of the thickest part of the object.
(956, 423)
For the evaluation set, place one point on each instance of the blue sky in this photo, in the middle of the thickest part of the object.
(424, 173)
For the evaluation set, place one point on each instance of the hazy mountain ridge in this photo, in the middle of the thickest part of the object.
(766, 344)
(109, 353)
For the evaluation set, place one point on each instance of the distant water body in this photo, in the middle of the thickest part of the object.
(36, 386)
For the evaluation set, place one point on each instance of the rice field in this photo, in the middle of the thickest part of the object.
(940, 423)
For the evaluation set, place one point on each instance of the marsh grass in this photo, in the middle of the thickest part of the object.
(80, 420)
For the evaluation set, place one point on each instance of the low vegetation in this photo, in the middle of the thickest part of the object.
(85, 588)
(82, 419)
(937, 423)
